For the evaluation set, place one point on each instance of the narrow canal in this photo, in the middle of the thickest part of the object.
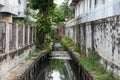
(60, 64)
(59, 67)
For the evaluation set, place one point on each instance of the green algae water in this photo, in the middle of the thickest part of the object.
(57, 69)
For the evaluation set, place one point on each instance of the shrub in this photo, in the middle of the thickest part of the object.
(77, 49)
(67, 42)
(92, 64)
(94, 56)
(48, 40)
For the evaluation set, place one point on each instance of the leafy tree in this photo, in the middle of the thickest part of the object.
(67, 11)
(49, 13)
(46, 9)
(27, 19)
(62, 12)
(58, 16)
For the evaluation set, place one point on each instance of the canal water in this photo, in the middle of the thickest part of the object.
(59, 67)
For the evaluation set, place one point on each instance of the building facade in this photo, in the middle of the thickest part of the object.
(16, 40)
(11, 9)
(60, 32)
(16, 43)
(96, 26)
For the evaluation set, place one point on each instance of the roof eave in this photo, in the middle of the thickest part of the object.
(74, 3)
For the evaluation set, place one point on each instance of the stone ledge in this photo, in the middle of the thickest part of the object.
(12, 59)
(21, 69)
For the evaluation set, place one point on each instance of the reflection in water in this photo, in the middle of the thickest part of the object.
(56, 70)
(56, 75)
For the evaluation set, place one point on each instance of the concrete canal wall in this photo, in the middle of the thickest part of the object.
(102, 36)
(80, 72)
(97, 27)
(34, 69)
(29, 69)
(16, 42)
(10, 61)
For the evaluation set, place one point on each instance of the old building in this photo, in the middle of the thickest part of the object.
(60, 32)
(12, 9)
(96, 26)
(16, 40)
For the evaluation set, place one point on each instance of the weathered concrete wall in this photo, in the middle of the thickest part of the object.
(88, 38)
(33, 71)
(69, 32)
(85, 13)
(30, 69)
(15, 45)
(13, 59)
(98, 29)
(107, 43)
(103, 36)
(16, 7)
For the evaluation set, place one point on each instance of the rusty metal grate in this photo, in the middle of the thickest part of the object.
(26, 34)
(31, 28)
(34, 34)
(12, 36)
(2, 37)
(20, 35)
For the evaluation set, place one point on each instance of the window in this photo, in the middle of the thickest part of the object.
(90, 4)
(19, 1)
(95, 3)
(18, 13)
(103, 1)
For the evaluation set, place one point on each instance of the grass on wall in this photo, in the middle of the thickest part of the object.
(92, 64)
(77, 49)
(31, 54)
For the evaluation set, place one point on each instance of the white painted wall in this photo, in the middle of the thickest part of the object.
(106, 40)
(101, 10)
(2, 2)
(22, 8)
(110, 8)
(88, 39)
(13, 7)
(9, 64)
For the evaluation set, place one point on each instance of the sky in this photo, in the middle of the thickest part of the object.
(58, 1)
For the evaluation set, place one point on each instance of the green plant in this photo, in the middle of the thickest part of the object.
(92, 64)
(22, 62)
(77, 49)
(47, 42)
(44, 18)
(67, 42)
(67, 11)
(18, 22)
(108, 75)
(31, 54)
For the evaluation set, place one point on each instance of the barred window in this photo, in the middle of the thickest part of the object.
(90, 4)
(103, 1)
(19, 1)
(95, 3)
